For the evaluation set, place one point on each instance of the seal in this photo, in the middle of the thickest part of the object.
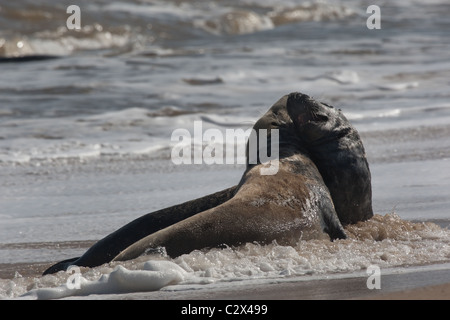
(290, 205)
(295, 203)
(337, 150)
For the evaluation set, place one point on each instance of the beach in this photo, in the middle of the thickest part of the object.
(420, 283)
(412, 255)
(86, 144)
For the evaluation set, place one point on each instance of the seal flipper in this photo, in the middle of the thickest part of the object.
(329, 219)
(332, 225)
(62, 265)
(109, 247)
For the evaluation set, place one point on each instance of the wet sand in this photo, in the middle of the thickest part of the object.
(437, 292)
(418, 285)
(415, 286)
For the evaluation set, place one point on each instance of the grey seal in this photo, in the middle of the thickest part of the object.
(290, 205)
(297, 202)
(337, 150)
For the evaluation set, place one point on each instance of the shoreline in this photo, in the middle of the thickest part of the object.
(423, 284)
(429, 282)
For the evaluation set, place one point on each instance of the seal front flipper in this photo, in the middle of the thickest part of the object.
(330, 221)
(107, 248)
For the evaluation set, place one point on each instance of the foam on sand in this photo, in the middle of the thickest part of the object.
(154, 276)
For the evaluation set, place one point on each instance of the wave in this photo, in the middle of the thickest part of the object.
(63, 42)
(310, 11)
(137, 132)
(124, 27)
(238, 22)
(131, 132)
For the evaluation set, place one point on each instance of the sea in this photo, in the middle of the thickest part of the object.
(91, 95)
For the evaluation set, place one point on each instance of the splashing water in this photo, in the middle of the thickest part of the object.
(386, 241)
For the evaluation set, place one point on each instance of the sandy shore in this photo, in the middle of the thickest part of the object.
(437, 292)
(418, 283)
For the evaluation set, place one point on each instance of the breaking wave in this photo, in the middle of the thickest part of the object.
(109, 27)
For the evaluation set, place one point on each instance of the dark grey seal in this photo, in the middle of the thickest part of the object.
(338, 152)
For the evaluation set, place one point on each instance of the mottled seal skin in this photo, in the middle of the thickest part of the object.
(290, 205)
(338, 152)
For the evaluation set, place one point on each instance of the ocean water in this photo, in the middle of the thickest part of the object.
(85, 137)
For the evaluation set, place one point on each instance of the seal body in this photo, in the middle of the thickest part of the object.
(290, 205)
(338, 152)
(295, 203)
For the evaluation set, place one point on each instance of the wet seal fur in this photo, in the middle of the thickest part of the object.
(338, 152)
(298, 192)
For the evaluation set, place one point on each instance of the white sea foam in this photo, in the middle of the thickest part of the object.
(236, 22)
(128, 132)
(386, 241)
(153, 276)
(398, 86)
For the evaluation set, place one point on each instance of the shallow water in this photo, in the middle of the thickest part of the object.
(85, 139)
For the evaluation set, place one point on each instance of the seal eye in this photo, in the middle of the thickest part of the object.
(326, 104)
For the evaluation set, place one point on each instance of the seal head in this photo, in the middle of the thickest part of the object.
(338, 152)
